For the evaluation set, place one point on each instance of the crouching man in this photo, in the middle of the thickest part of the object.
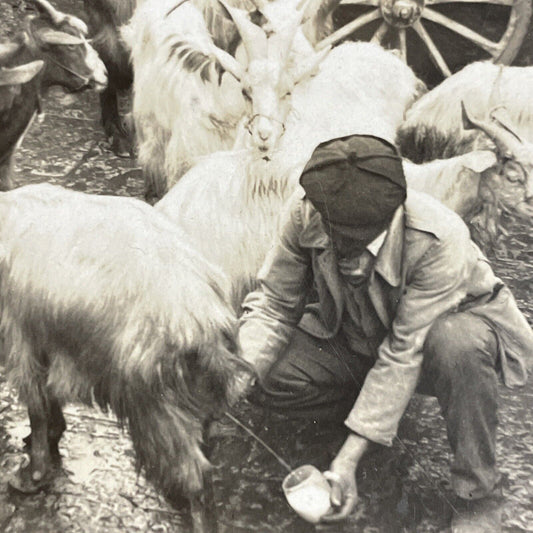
(369, 293)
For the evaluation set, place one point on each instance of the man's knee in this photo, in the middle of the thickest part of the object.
(458, 342)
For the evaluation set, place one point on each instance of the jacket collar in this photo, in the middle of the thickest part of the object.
(387, 247)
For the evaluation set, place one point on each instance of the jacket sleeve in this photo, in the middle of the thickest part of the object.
(273, 310)
(434, 285)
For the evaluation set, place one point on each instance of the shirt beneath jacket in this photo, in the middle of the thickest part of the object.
(361, 325)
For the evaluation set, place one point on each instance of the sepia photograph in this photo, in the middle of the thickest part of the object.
(266, 266)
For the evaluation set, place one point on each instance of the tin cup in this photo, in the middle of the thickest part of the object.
(308, 492)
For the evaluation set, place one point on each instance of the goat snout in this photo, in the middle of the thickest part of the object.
(264, 129)
(99, 77)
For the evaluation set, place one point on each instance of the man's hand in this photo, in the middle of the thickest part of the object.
(343, 491)
(243, 382)
(341, 475)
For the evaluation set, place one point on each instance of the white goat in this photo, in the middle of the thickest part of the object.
(104, 300)
(501, 97)
(433, 125)
(182, 105)
(480, 185)
(230, 202)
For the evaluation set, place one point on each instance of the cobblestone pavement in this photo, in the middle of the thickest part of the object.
(404, 489)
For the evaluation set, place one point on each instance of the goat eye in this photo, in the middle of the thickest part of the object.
(246, 95)
(512, 177)
(514, 172)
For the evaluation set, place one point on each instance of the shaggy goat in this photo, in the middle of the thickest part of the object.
(103, 299)
(481, 184)
(433, 125)
(184, 105)
(433, 130)
(57, 41)
(230, 202)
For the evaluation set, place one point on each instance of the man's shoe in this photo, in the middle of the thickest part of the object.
(478, 516)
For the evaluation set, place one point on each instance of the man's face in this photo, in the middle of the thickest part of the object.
(351, 241)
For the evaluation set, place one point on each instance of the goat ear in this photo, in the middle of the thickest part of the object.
(49, 36)
(21, 74)
(7, 95)
(479, 160)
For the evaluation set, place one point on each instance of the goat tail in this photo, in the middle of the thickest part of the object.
(166, 439)
(166, 410)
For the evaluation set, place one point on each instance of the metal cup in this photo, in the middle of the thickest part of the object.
(308, 492)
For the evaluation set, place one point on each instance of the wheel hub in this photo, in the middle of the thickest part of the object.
(401, 13)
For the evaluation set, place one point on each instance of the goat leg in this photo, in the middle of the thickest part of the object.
(56, 428)
(119, 138)
(203, 507)
(37, 475)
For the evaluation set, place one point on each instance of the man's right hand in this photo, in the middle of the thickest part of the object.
(341, 475)
(343, 491)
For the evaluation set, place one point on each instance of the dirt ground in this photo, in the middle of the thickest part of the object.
(404, 489)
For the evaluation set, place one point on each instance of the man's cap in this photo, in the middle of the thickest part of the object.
(355, 180)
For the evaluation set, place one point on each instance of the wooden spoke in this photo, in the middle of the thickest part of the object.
(360, 2)
(432, 49)
(380, 33)
(494, 2)
(343, 32)
(402, 43)
(489, 46)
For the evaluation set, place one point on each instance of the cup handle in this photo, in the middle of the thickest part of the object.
(332, 477)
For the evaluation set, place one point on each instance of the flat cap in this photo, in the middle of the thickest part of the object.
(355, 180)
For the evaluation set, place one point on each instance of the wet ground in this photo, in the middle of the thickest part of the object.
(404, 489)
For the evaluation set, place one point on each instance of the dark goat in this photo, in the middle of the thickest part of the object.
(57, 42)
(104, 20)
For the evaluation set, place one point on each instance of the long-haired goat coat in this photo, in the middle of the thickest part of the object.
(102, 297)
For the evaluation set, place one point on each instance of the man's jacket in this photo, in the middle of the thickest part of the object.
(426, 266)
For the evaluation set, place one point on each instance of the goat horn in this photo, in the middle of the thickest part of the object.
(253, 36)
(21, 74)
(46, 7)
(507, 142)
(58, 18)
(503, 121)
(309, 67)
(280, 43)
(259, 4)
(316, 18)
(228, 62)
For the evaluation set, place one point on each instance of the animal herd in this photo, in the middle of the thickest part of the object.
(229, 99)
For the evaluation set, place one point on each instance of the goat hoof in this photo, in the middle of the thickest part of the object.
(54, 450)
(121, 146)
(27, 482)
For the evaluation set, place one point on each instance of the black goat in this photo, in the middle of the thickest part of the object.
(55, 51)
(104, 18)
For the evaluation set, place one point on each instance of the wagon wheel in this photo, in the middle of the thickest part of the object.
(484, 29)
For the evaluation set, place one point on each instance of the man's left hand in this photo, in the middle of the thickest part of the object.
(243, 382)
